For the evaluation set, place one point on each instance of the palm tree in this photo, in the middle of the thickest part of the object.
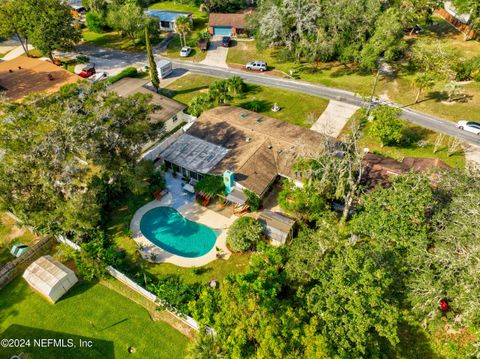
(183, 26)
(205, 347)
(423, 82)
(235, 85)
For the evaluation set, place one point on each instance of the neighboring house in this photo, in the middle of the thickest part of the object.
(167, 18)
(170, 113)
(257, 149)
(459, 21)
(379, 170)
(227, 24)
(276, 226)
(24, 75)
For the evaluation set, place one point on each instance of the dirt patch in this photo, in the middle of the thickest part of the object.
(173, 322)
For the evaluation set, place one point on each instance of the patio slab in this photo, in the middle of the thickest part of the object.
(184, 203)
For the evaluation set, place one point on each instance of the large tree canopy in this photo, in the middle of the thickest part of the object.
(59, 153)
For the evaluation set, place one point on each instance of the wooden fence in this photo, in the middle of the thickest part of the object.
(10, 270)
(466, 30)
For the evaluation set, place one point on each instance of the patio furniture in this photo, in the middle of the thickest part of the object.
(189, 188)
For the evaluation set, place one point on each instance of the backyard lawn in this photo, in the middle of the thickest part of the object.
(399, 90)
(199, 25)
(89, 311)
(300, 109)
(11, 234)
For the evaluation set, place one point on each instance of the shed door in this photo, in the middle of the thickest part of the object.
(222, 30)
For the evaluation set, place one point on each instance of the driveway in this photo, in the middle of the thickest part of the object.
(334, 118)
(216, 54)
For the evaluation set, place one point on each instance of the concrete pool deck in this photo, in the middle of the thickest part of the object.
(192, 211)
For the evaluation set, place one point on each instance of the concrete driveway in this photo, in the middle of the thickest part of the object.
(334, 118)
(216, 54)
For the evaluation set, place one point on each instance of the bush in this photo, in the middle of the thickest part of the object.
(244, 234)
(94, 21)
(253, 200)
(127, 72)
(386, 126)
(209, 186)
(468, 69)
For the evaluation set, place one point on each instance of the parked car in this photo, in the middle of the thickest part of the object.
(87, 71)
(226, 40)
(185, 51)
(99, 76)
(469, 126)
(203, 43)
(257, 66)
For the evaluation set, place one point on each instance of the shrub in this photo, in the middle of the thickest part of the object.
(209, 186)
(244, 234)
(127, 72)
(94, 21)
(253, 200)
(386, 126)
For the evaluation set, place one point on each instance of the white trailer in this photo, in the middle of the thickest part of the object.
(164, 68)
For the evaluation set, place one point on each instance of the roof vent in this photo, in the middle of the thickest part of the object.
(248, 139)
(269, 147)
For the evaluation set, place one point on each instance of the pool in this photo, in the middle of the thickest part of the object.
(168, 229)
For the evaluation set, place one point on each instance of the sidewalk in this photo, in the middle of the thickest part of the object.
(16, 52)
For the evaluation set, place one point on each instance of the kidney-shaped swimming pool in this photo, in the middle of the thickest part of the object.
(168, 229)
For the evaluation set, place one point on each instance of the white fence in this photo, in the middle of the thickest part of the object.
(142, 291)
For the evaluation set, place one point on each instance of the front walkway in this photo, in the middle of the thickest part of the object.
(185, 204)
(216, 53)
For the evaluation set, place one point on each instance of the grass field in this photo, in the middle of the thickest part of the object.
(399, 90)
(11, 234)
(111, 40)
(299, 109)
(421, 143)
(199, 25)
(88, 311)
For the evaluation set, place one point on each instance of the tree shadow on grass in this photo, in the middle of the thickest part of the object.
(66, 345)
(256, 105)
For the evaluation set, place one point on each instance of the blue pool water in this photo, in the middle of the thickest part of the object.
(168, 229)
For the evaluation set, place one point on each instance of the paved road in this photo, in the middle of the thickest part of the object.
(348, 97)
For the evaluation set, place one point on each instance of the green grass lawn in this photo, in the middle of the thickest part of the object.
(300, 109)
(11, 234)
(399, 90)
(199, 25)
(421, 144)
(111, 40)
(88, 311)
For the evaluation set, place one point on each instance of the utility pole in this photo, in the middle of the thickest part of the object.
(373, 92)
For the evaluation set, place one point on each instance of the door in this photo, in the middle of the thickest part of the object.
(222, 30)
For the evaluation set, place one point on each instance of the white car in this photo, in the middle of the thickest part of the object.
(99, 76)
(469, 126)
(257, 66)
(185, 51)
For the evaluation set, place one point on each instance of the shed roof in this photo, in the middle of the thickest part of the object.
(130, 86)
(276, 220)
(24, 75)
(49, 277)
(233, 20)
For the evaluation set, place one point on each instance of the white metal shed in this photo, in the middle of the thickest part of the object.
(50, 278)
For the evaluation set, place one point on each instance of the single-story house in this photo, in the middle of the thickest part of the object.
(170, 112)
(50, 278)
(276, 226)
(255, 148)
(168, 17)
(24, 75)
(379, 169)
(227, 24)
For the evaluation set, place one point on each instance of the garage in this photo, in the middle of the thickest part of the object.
(227, 24)
(222, 30)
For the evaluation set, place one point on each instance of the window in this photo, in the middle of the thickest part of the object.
(174, 118)
(168, 164)
(165, 24)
